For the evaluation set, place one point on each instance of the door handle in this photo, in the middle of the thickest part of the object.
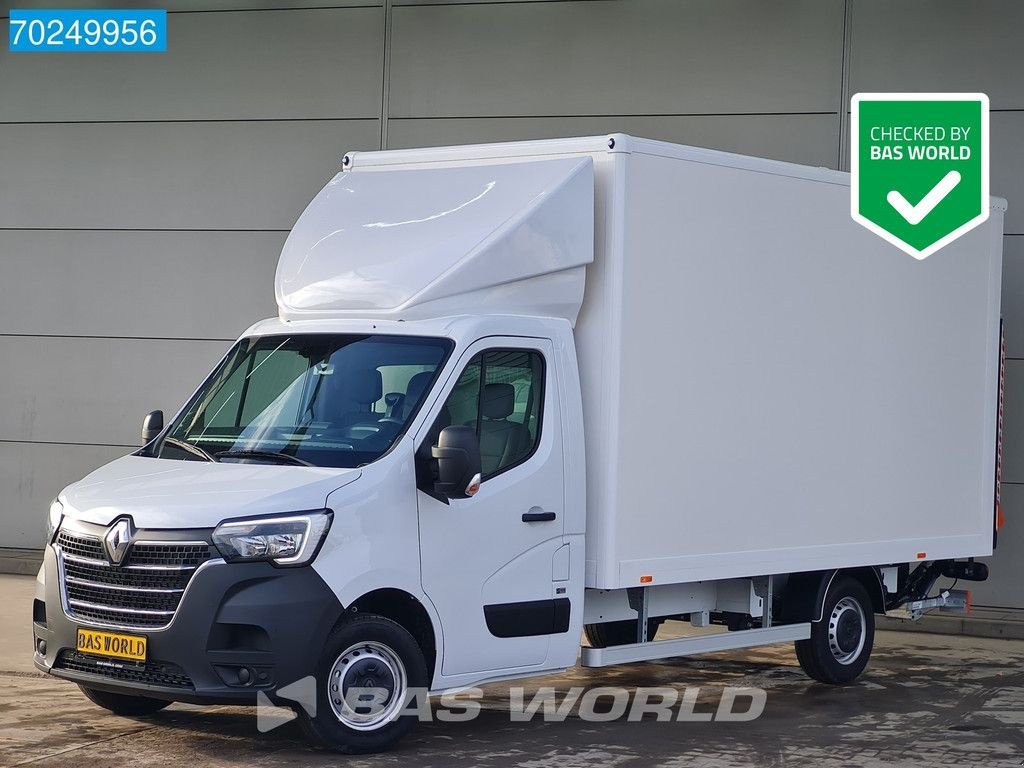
(537, 515)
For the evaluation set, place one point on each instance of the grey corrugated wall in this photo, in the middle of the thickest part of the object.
(144, 198)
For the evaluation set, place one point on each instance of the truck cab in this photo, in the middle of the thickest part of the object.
(296, 493)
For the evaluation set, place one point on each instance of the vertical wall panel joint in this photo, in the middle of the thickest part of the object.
(842, 162)
(385, 76)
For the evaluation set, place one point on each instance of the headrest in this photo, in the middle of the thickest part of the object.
(414, 391)
(499, 401)
(365, 385)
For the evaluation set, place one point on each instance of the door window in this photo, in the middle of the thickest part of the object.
(499, 394)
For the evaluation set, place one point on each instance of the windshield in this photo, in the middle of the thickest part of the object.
(319, 399)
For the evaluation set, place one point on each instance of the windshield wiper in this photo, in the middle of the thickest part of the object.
(270, 455)
(195, 450)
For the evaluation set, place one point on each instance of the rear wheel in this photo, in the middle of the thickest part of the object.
(367, 670)
(839, 647)
(122, 704)
(617, 632)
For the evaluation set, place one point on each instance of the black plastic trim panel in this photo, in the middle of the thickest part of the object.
(528, 619)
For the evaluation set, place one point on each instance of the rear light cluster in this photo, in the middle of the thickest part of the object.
(999, 426)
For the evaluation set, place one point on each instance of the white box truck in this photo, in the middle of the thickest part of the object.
(520, 392)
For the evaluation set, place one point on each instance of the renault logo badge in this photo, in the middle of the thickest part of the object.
(117, 541)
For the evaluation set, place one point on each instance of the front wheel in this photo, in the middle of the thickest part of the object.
(840, 643)
(368, 669)
(122, 704)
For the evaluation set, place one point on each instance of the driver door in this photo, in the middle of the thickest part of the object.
(492, 564)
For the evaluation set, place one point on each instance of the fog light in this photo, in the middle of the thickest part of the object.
(41, 647)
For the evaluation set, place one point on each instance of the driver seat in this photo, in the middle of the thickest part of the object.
(502, 442)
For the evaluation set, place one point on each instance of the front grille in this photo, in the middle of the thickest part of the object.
(81, 546)
(143, 592)
(118, 577)
(169, 555)
(162, 673)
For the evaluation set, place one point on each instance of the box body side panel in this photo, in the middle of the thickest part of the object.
(792, 392)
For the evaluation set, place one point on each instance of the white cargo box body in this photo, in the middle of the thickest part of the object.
(771, 388)
(767, 386)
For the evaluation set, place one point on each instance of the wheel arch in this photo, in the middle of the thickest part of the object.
(805, 593)
(406, 610)
(871, 579)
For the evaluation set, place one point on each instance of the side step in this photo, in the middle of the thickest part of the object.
(688, 646)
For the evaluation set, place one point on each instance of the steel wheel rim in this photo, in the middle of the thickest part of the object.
(367, 686)
(845, 648)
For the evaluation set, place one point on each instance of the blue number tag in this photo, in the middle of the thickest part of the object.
(97, 30)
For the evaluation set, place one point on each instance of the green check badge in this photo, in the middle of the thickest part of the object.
(919, 167)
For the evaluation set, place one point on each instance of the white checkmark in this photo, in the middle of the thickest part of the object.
(915, 213)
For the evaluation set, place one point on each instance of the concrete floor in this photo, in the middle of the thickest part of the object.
(926, 700)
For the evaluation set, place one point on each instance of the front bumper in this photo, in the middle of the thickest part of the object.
(270, 622)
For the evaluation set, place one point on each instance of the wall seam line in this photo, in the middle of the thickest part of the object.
(68, 442)
(385, 89)
(844, 88)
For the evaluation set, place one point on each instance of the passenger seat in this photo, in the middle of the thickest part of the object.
(353, 395)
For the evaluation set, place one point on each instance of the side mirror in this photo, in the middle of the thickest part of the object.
(152, 426)
(457, 454)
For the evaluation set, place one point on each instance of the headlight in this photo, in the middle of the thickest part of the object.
(287, 540)
(53, 519)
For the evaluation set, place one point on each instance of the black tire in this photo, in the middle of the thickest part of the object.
(618, 632)
(123, 704)
(366, 645)
(839, 647)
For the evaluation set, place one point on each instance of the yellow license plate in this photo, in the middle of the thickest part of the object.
(112, 645)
